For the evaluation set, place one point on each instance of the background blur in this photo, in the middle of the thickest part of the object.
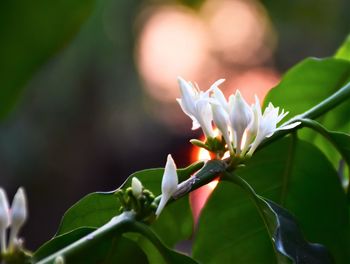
(95, 83)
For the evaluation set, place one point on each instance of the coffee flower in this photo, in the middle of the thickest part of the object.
(220, 109)
(242, 126)
(195, 104)
(169, 183)
(267, 124)
(240, 117)
(13, 218)
(4, 219)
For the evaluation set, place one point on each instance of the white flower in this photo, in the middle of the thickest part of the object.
(240, 117)
(253, 126)
(18, 214)
(242, 126)
(195, 104)
(4, 219)
(220, 109)
(169, 183)
(136, 187)
(267, 125)
(219, 96)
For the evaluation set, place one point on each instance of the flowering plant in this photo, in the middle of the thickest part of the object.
(279, 186)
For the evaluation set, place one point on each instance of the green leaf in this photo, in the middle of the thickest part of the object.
(94, 210)
(283, 229)
(109, 250)
(307, 84)
(339, 140)
(31, 32)
(156, 251)
(174, 224)
(344, 51)
(310, 82)
(289, 172)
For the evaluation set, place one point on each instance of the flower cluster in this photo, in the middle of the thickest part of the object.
(242, 126)
(13, 217)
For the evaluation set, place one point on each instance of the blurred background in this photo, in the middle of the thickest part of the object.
(88, 88)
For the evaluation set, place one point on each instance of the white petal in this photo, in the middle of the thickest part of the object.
(216, 84)
(204, 117)
(240, 117)
(4, 210)
(4, 220)
(290, 126)
(163, 201)
(188, 96)
(169, 183)
(252, 129)
(220, 97)
(221, 120)
(18, 214)
(136, 187)
(195, 124)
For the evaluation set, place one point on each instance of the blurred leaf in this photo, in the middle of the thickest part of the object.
(112, 249)
(344, 51)
(31, 32)
(96, 209)
(292, 173)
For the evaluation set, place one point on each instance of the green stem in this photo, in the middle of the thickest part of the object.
(112, 227)
(323, 107)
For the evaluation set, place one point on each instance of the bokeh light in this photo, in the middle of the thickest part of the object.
(177, 41)
(246, 37)
(173, 42)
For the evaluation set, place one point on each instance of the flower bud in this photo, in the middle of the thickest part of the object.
(18, 215)
(4, 219)
(252, 129)
(59, 260)
(169, 183)
(221, 120)
(136, 186)
(240, 117)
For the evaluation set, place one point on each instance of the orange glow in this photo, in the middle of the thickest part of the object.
(200, 196)
(212, 185)
(203, 154)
